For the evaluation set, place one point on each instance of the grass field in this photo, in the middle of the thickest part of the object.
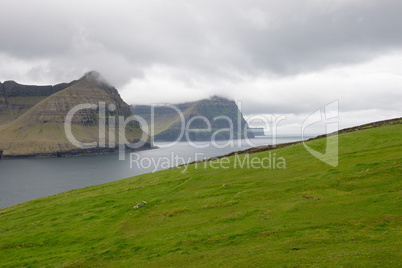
(308, 214)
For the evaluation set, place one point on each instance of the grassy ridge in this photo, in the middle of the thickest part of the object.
(308, 214)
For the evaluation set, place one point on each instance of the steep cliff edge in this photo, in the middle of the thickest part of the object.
(40, 131)
(219, 112)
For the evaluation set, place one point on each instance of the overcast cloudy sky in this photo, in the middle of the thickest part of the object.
(277, 57)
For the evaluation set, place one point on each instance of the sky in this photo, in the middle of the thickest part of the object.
(274, 58)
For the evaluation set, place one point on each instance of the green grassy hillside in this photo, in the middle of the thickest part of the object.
(309, 214)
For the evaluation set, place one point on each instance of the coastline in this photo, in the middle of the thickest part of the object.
(76, 152)
(219, 154)
(264, 148)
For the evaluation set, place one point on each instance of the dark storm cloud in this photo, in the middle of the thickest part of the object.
(223, 38)
(158, 51)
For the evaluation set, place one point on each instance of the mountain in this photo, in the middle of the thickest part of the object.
(168, 124)
(219, 214)
(40, 130)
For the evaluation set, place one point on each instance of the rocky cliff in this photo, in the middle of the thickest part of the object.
(219, 112)
(16, 99)
(40, 131)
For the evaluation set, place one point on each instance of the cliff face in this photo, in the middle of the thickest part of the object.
(16, 99)
(168, 125)
(40, 131)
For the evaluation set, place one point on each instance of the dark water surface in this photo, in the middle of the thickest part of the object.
(22, 180)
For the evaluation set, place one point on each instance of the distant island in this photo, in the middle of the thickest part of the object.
(32, 118)
(257, 131)
(221, 113)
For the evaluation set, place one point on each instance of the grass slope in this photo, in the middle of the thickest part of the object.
(309, 214)
(17, 106)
